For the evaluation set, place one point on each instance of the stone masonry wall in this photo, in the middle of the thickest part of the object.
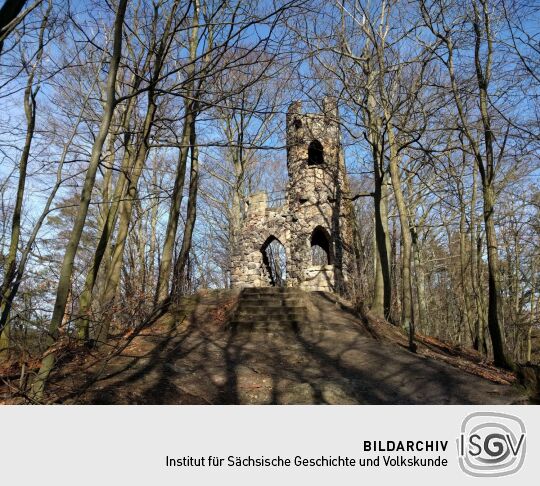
(317, 197)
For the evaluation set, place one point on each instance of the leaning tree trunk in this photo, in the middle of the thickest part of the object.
(10, 263)
(107, 227)
(126, 208)
(66, 270)
(108, 222)
(109, 216)
(112, 279)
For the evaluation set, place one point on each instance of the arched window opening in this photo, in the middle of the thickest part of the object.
(320, 247)
(275, 261)
(315, 153)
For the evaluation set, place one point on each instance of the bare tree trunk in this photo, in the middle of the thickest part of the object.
(382, 297)
(406, 278)
(174, 213)
(532, 312)
(126, 207)
(475, 273)
(420, 280)
(10, 263)
(463, 256)
(176, 203)
(109, 222)
(494, 326)
(485, 160)
(153, 226)
(25, 254)
(487, 173)
(191, 217)
(109, 219)
(112, 279)
(66, 271)
(382, 292)
(11, 260)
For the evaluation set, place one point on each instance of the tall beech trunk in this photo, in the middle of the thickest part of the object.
(499, 352)
(108, 222)
(420, 280)
(107, 227)
(26, 252)
(125, 208)
(177, 195)
(191, 216)
(174, 212)
(125, 211)
(532, 313)
(464, 259)
(239, 165)
(153, 225)
(382, 297)
(382, 291)
(10, 262)
(66, 270)
(484, 159)
(475, 269)
(487, 174)
(188, 136)
(407, 320)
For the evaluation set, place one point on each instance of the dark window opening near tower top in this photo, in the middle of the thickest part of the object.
(315, 153)
(320, 247)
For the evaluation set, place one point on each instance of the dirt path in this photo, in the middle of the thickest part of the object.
(325, 356)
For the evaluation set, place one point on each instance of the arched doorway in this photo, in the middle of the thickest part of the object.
(320, 247)
(274, 261)
(315, 153)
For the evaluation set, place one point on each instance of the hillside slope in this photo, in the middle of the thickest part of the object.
(276, 346)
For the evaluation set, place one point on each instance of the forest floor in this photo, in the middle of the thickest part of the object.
(196, 354)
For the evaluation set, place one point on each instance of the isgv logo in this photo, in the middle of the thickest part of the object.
(491, 444)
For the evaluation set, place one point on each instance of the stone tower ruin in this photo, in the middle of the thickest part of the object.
(314, 224)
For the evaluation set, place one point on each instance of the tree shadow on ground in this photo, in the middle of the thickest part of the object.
(330, 357)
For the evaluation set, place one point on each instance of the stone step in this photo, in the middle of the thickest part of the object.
(262, 313)
(269, 320)
(271, 300)
(267, 325)
(271, 291)
(270, 309)
(272, 305)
